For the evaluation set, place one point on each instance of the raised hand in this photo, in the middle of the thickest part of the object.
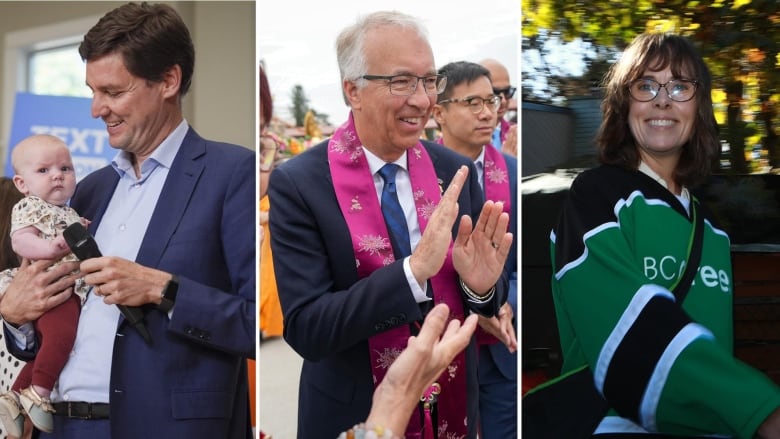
(479, 253)
(427, 259)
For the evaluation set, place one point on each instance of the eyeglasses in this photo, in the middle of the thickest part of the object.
(476, 103)
(678, 90)
(507, 93)
(405, 85)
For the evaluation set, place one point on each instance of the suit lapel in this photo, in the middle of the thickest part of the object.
(176, 195)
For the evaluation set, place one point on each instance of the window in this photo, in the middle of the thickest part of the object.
(29, 55)
(57, 71)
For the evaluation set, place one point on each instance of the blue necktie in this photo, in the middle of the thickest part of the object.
(393, 213)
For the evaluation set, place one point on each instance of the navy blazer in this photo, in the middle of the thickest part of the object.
(329, 314)
(191, 382)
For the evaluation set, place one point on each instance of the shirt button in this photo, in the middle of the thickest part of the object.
(122, 227)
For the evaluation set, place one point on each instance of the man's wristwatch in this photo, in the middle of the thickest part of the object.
(168, 296)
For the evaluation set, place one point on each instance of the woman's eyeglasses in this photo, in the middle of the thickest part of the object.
(678, 90)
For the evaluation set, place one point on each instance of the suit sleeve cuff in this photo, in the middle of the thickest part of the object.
(23, 337)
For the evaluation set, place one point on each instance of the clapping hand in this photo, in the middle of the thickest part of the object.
(424, 359)
(479, 254)
(427, 259)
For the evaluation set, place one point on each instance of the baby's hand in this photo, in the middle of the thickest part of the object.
(85, 222)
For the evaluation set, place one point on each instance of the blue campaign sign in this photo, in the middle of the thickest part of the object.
(67, 118)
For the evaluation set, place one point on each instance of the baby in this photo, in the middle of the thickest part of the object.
(45, 175)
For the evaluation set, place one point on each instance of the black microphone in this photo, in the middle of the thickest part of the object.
(83, 245)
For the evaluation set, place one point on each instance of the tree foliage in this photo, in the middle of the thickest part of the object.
(300, 105)
(739, 39)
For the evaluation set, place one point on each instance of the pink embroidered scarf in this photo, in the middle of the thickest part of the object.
(496, 178)
(496, 181)
(358, 201)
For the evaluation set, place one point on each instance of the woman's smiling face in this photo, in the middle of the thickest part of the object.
(661, 126)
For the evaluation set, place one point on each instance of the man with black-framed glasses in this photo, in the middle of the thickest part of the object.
(466, 115)
(499, 76)
(373, 226)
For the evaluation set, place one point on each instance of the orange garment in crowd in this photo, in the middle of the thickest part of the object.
(271, 320)
(251, 365)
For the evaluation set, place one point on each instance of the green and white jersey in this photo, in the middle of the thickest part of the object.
(619, 247)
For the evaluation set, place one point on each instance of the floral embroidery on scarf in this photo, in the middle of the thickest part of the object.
(346, 143)
(386, 358)
(356, 203)
(443, 433)
(426, 210)
(494, 173)
(373, 244)
(452, 369)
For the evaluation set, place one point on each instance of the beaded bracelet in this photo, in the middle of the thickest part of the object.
(359, 432)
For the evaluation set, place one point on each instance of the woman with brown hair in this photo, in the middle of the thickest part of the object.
(657, 343)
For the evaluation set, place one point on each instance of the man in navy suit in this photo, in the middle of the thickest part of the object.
(174, 216)
(466, 113)
(352, 287)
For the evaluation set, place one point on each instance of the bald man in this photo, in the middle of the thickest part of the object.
(499, 77)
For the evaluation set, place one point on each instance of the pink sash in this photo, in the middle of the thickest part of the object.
(496, 181)
(496, 177)
(358, 201)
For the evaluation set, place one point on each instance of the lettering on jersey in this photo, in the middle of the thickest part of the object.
(668, 268)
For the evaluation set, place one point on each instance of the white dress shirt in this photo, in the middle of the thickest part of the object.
(403, 187)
